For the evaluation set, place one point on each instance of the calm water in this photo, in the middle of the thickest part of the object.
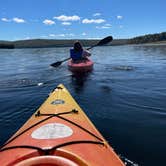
(124, 96)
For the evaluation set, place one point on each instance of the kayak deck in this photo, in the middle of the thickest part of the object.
(59, 133)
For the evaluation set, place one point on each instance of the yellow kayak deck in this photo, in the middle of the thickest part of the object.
(59, 130)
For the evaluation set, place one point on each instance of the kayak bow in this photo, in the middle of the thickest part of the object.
(58, 133)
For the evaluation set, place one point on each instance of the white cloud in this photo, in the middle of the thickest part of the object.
(66, 23)
(52, 35)
(15, 19)
(119, 17)
(83, 34)
(67, 18)
(96, 14)
(27, 38)
(48, 22)
(18, 20)
(121, 26)
(5, 20)
(43, 36)
(106, 26)
(103, 27)
(70, 34)
(64, 35)
(90, 21)
(61, 35)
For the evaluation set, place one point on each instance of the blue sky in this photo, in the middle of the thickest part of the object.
(66, 19)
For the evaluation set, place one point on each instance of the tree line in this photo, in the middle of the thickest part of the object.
(148, 38)
(37, 43)
(7, 45)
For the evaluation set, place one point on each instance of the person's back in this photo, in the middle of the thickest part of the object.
(77, 53)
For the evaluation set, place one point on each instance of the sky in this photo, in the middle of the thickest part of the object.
(79, 19)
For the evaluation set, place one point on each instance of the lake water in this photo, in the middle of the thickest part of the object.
(124, 96)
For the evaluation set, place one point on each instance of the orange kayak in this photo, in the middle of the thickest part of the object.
(81, 66)
(58, 133)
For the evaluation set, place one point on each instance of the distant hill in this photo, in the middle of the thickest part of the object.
(40, 43)
(50, 43)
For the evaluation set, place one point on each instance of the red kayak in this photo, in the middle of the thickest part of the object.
(80, 66)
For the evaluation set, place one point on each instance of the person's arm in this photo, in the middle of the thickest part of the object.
(86, 53)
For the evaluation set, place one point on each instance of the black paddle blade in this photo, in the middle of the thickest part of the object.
(105, 41)
(56, 64)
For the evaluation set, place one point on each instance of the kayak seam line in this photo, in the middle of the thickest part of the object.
(34, 126)
(77, 142)
(50, 116)
(48, 151)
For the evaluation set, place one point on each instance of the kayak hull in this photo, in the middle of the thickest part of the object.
(82, 66)
(58, 133)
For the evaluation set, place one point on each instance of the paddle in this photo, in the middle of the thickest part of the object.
(100, 43)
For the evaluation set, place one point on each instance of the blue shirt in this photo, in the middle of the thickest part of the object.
(76, 55)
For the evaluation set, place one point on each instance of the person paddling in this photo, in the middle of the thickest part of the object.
(77, 53)
(102, 42)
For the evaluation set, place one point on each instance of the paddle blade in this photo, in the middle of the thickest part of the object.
(56, 64)
(105, 41)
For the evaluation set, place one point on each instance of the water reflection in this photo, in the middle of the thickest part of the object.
(78, 81)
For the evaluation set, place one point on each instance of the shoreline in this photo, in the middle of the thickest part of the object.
(46, 43)
(148, 39)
